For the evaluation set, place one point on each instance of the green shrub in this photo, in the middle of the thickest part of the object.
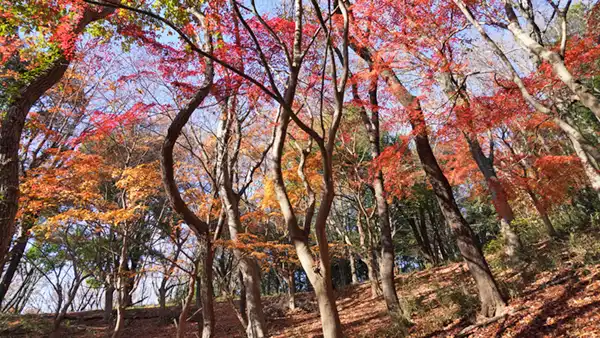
(584, 248)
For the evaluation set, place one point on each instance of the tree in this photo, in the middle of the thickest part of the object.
(27, 79)
(492, 302)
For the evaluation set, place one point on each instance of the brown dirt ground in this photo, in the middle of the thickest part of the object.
(561, 303)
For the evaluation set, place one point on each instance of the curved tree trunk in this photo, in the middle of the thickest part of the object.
(587, 154)
(499, 197)
(16, 254)
(12, 122)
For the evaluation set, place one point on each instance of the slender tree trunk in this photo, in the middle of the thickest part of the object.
(438, 239)
(248, 267)
(425, 235)
(122, 280)
(206, 290)
(162, 300)
(587, 161)
(419, 239)
(370, 261)
(185, 308)
(555, 60)
(250, 275)
(485, 164)
(543, 214)
(198, 293)
(16, 254)
(60, 316)
(291, 281)
(353, 272)
(243, 299)
(499, 197)
(387, 243)
(108, 302)
(387, 254)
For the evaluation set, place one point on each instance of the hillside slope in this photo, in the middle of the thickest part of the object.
(561, 302)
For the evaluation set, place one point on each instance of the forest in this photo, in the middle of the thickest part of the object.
(299, 168)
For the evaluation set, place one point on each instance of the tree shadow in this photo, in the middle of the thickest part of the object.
(556, 308)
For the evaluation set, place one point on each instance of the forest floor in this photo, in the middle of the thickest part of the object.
(554, 295)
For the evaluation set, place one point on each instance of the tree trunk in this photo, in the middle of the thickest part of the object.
(371, 261)
(387, 242)
(12, 122)
(543, 214)
(206, 290)
(256, 320)
(108, 302)
(185, 308)
(353, 272)
(419, 239)
(291, 281)
(162, 300)
(248, 267)
(60, 316)
(438, 239)
(485, 164)
(318, 270)
(492, 302)
(16, 254)
(555, 60)
(499, 197)
(122, 280)
(425, 236)
(198, 293)
(387, 253)
(319, 278)
(250, 276)
(11, 128)
(243, 299)
(587, 161)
